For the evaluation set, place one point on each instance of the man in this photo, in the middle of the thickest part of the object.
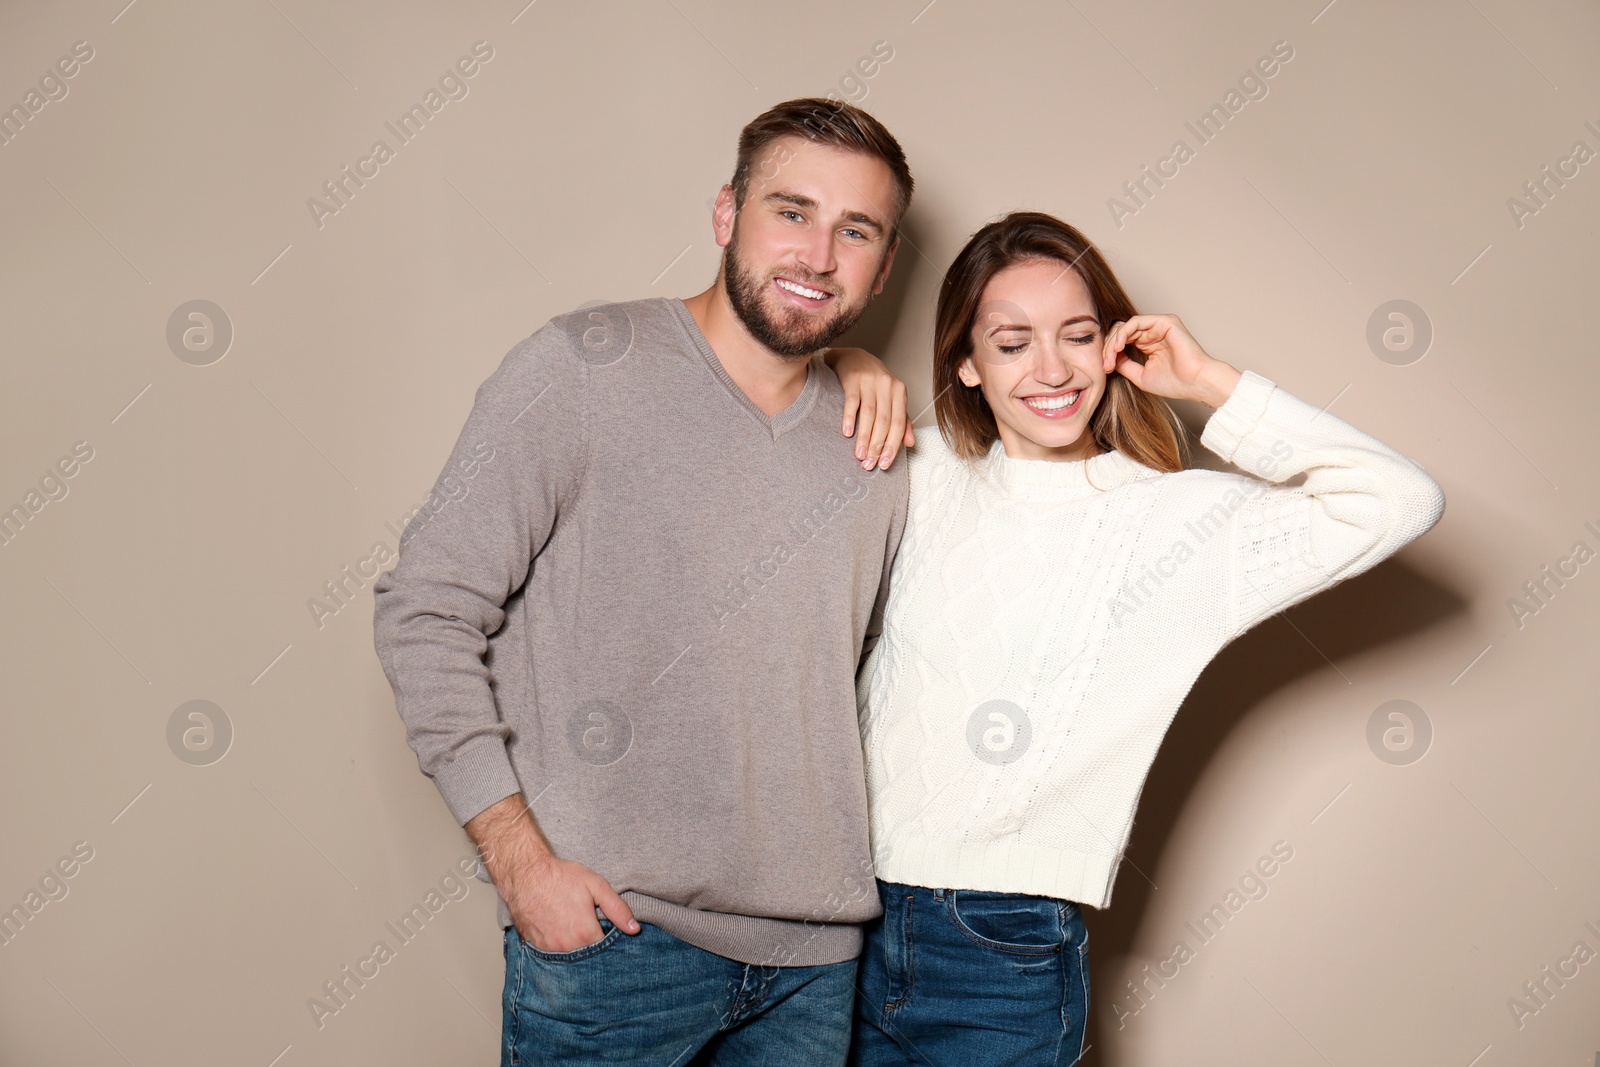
(624, 647)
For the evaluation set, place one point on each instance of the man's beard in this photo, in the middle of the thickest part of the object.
(788, 334)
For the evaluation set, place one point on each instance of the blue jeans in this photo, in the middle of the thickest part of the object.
(651, 1000)
(956, 977)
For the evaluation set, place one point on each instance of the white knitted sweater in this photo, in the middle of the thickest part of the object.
(1045, 620)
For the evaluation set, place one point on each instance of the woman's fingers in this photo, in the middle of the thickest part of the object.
(883, 424)
(1145, 330)
(883, 415)
(896, 427)
(866, 416)
(1117, 336)
(1130, 369)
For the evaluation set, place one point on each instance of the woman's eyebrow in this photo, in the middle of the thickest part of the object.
(1069, 322)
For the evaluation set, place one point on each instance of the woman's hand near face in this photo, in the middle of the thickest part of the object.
(874, 400)
(1175, 365)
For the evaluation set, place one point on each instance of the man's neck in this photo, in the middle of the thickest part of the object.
(772, 382)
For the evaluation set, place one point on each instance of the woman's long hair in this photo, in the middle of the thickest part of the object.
(1138, 424)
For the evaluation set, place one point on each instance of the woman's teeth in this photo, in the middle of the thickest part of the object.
(810, 294)
(1052, 403)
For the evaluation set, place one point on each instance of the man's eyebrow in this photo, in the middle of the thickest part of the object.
(860, 218)
(791, 198)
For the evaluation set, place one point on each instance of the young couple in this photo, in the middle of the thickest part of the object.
(631, 661)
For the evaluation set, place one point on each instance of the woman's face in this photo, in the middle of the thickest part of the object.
(1038, 353)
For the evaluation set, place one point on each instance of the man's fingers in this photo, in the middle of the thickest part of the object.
(616, 909)
(553, 936)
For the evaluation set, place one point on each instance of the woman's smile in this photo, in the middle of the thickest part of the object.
(1060, 404)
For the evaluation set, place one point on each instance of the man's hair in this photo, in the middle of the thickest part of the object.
(827, 122)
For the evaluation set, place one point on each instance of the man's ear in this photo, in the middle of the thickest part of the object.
(888, 261)
(967, 372)
(722, 217)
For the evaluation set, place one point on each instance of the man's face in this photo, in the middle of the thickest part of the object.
(811, 246)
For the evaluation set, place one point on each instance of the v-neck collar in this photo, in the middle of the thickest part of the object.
(776, 425)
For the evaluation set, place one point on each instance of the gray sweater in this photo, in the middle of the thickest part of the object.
(642, 604)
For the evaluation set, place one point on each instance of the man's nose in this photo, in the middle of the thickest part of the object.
(816, 252)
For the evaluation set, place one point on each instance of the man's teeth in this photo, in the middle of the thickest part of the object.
(811, 294)
(1052, 403)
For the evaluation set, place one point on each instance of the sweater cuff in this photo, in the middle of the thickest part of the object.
(479, 775)
(1241, 413)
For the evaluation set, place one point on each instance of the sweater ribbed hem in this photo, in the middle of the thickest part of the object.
(1004, 866)
(478, 776)
(744, 938)
(1244, 409)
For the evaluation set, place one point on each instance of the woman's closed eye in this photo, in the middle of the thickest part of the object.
(1017, 346)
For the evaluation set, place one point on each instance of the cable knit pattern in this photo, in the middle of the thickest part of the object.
(1045, 620)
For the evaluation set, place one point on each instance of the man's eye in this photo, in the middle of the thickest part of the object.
(855, 233)
(792, 215)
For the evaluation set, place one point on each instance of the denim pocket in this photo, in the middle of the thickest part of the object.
(1008, 922)
(609, 935)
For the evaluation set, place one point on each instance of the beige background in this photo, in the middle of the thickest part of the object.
(220, 498)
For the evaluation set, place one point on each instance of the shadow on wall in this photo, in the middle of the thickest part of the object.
(886, 314)
(1388, 603)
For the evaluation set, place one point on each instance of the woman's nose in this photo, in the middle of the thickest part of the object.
(1051, 368)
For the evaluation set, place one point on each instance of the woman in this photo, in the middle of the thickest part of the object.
(1061, 583)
